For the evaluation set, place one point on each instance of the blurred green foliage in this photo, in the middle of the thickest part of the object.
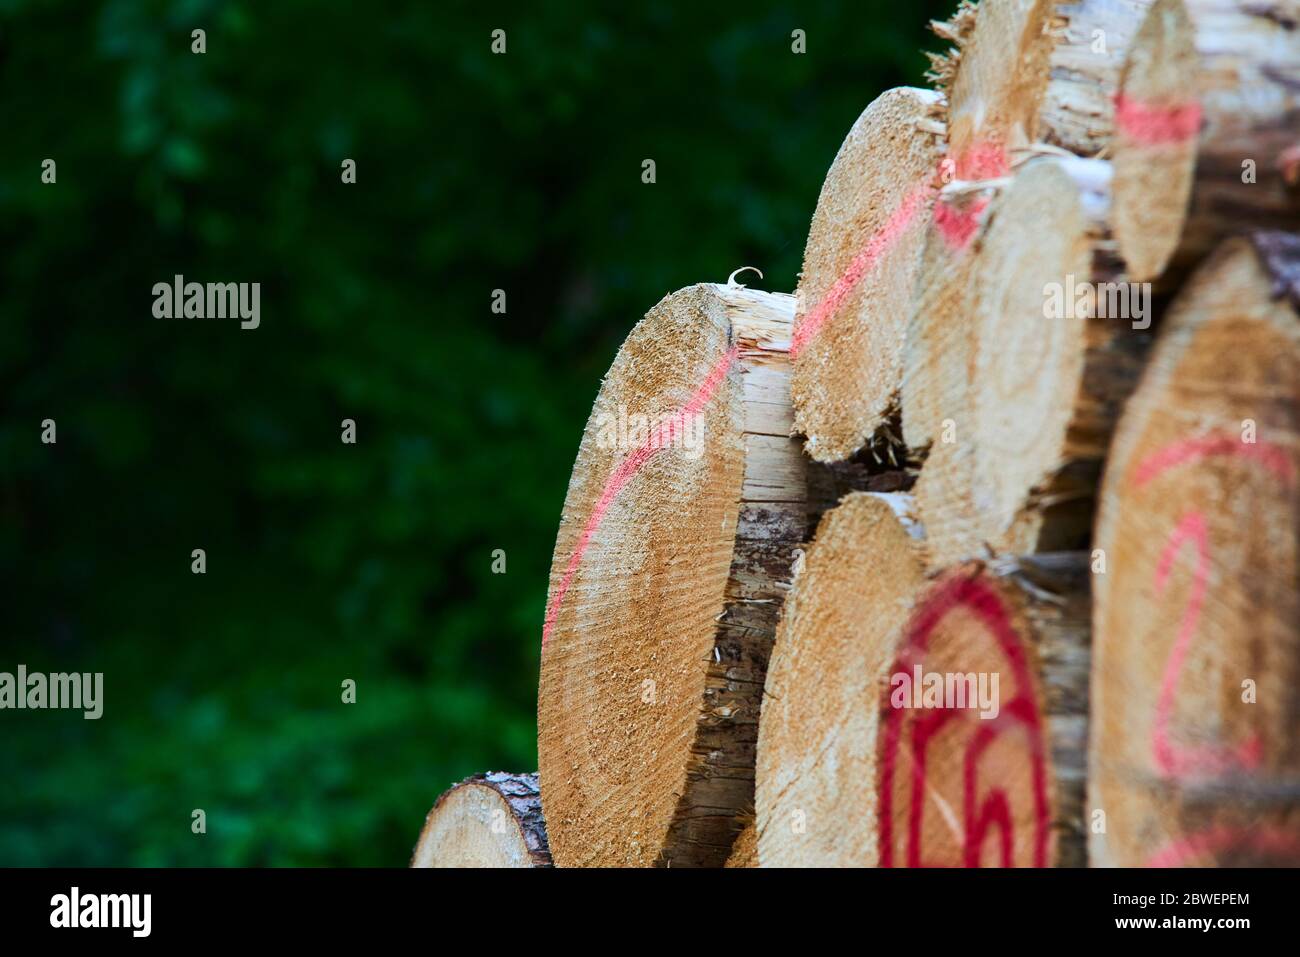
(326, 561)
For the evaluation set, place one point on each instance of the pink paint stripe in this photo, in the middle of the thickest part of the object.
(1274, 843)
(1172, 759)
(1268, 454)
(631, 464)
(959, 226)
(1150, 123)
(879, 243)
(1175, 760)
(1288, 163)
(981, 161)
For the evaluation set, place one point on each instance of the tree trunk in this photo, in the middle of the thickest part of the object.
(1194, 757)
(488, 820)
(838, 758)
(669, 571)
(859, 266)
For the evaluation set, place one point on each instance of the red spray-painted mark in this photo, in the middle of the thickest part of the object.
(983, 160)
(1174, 760)
(1273, 843)
(1151, 123)
(1288, 163)
(1270, 455)
(956, 226)
(961, 591)
(631, 464)
(959, 226)
(877, 245)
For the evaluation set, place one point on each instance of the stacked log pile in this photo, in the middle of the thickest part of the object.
(982, 548)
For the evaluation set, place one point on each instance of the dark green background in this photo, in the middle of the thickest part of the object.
(326, 561)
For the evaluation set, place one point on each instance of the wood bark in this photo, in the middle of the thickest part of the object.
(839, 754)
(488, 820)
(859, 266)
(1194, 757)
(668, 576)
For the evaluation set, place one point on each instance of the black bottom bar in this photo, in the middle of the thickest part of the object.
(331, 907)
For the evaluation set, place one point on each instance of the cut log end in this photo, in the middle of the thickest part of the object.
(670, 565)
(1025, 412)
(859, 266)
(859, 762)
(1194, 756)
(994, 776)
(488, 820)
(814, 798)
(1154, 147)
(937, 346)
(999, 84)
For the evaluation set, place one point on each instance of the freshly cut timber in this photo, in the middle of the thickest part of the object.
(995, 79)
(859, 267)
(488, 820)
(1001, 783)
(671, 563)
(1098, 78)
(1121, 77)
(938, 340)
(918, 721)
(1049, 351)
(815, 789)
(1004, 95)
(1247, 82)
(1087, 59)
(1194, 758)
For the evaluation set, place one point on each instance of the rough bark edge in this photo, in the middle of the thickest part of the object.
(523, 794)
(1279, 255)
(956, 30)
